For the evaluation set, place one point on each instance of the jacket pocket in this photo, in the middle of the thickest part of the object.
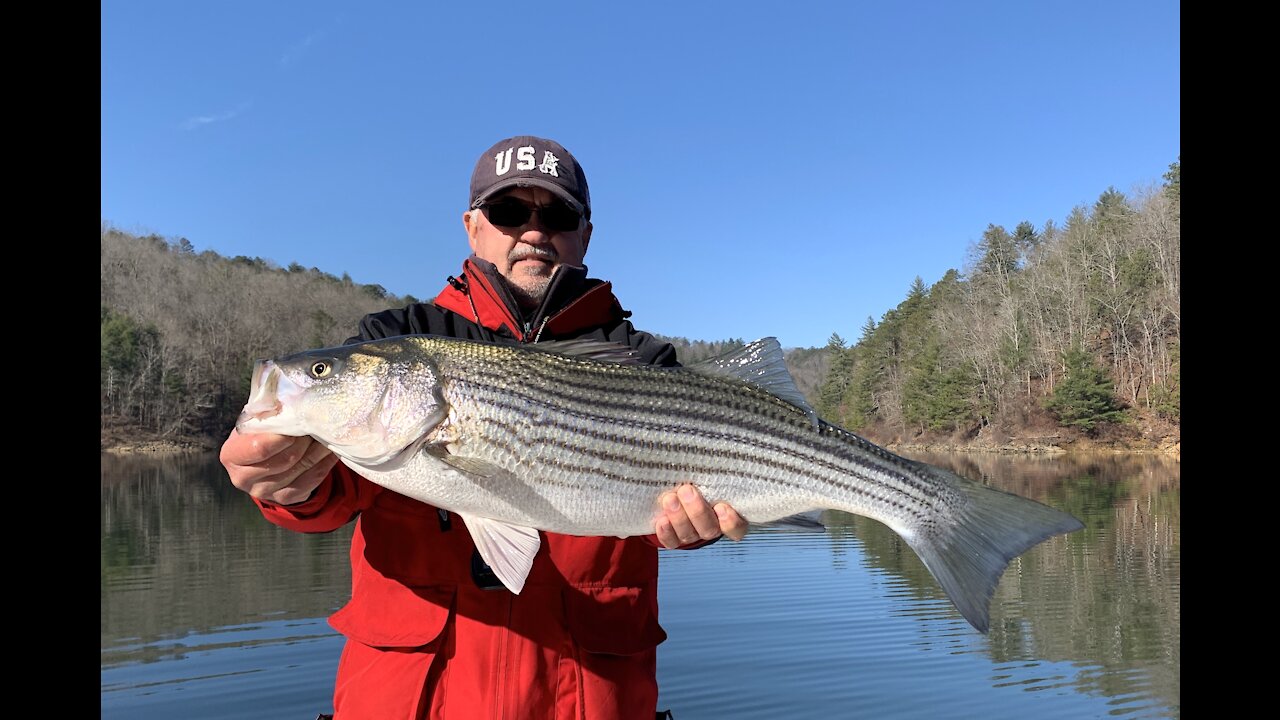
(388, 614)
(613, 620)
(612, 669)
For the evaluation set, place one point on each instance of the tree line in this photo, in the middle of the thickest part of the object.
(1080, 324)
(181, 330)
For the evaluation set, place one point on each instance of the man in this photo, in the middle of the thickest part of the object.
(430, 631)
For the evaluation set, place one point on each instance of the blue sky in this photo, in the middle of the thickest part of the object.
(756, 169)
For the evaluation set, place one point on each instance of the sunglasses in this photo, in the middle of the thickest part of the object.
(511, 213)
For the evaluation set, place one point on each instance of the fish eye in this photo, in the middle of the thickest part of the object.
(321, 368)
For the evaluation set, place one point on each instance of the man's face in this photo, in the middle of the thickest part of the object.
(526, 255)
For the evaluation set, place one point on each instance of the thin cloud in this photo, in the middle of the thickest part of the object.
(201, 120)
(297, 49)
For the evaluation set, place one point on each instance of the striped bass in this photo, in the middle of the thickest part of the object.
(581, 438)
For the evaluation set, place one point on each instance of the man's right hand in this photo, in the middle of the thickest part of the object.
(277, 468)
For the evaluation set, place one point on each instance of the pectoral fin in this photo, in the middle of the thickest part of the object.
(508, 549)
(480, 470)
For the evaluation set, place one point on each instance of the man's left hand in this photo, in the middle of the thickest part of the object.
(686, 517)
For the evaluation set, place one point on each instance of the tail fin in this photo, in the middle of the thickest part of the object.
(989, 529)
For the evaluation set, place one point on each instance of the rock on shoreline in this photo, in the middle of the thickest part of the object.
(153, 446)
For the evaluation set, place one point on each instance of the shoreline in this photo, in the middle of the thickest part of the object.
(156, 447)
(1173, 448)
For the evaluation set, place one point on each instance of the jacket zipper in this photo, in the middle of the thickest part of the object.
(545, 319)
(462, 287)
(526, 327)
(486, 286)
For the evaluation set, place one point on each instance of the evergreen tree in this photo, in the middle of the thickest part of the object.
(998, 253)
(945, 292)
(917, 291)
(1111, 213)
(860, 406)
(1173, 180)
(868, 329)
(837, 380)
(862, 368)
(128, 371)
(950, 404)
(919, 386)
(118, 344)
(869, 358)
(934, 398)
(1085, 397)
(1025, 238)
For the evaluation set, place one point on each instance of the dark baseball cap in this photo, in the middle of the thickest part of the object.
(525, 161)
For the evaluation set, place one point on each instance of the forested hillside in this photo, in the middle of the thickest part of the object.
(181, 330)
(1049, 335)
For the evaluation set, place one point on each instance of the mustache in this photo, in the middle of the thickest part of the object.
(524, 252)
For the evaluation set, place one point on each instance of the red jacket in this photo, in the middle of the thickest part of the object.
(424, 640)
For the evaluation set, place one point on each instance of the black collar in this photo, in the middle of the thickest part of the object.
(568, 283)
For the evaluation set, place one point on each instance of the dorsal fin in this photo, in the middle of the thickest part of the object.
(760, 364)
(601, 350)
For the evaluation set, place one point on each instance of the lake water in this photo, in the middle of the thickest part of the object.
(209, 611)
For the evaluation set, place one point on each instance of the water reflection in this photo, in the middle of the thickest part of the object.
(1083, 625)
(1108, 595)
(184, 552)
(204, 600)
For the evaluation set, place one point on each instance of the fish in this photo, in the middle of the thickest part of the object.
(581, 437)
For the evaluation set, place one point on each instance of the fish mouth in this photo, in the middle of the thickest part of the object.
(264, 399)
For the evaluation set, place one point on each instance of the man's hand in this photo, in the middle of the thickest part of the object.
(686, 517)
(276, 468)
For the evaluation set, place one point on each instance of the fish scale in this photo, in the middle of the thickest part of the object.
(581, 438)
(711, 454)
